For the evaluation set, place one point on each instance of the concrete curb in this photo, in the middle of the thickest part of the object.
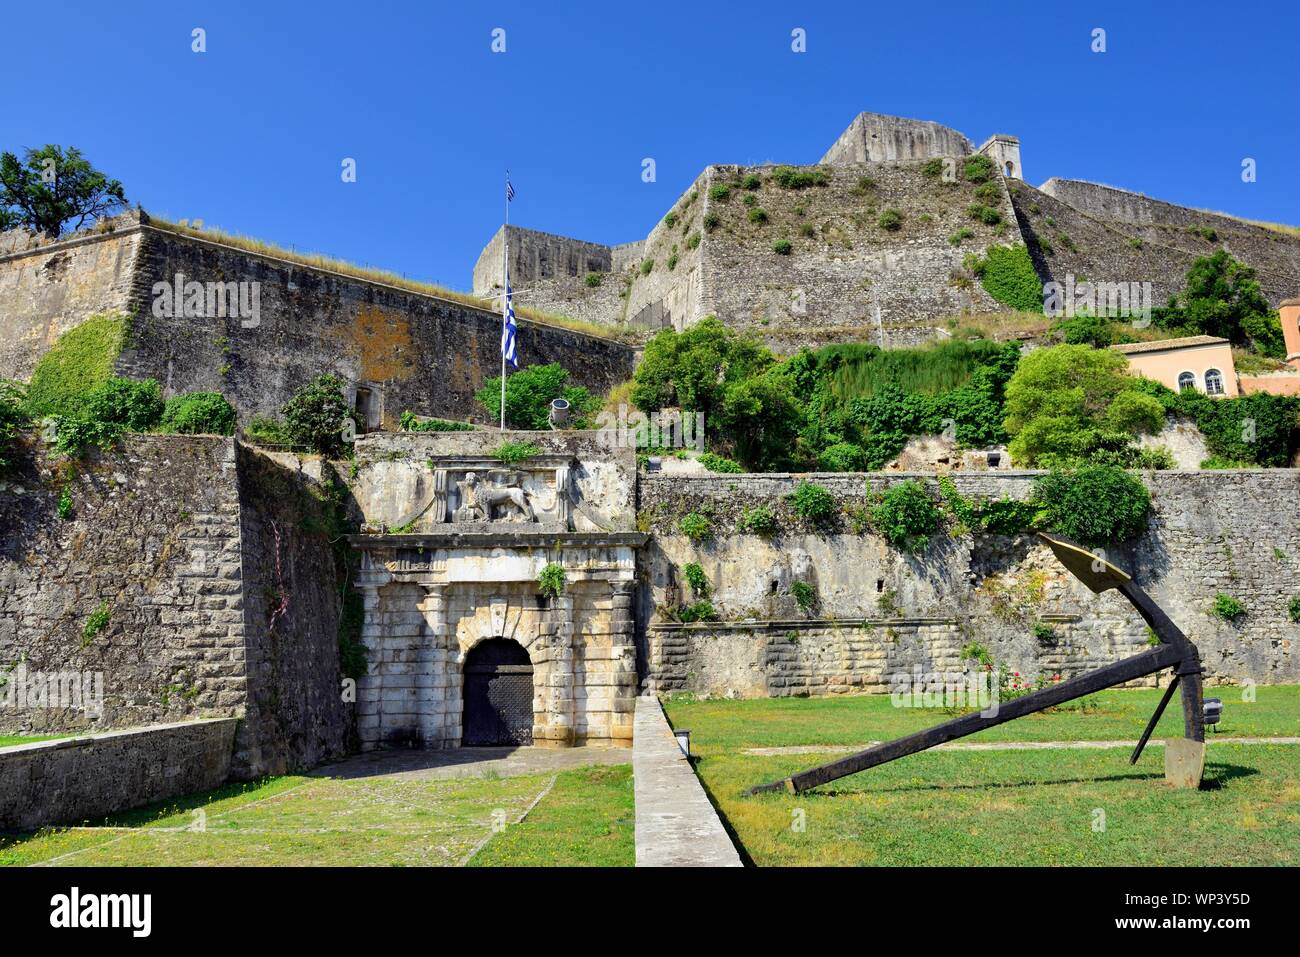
(676, 825)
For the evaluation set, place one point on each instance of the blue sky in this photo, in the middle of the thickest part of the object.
(250, 135)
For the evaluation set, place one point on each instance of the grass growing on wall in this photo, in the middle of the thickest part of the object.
(81, 361)
(1007, 274)
(865, 369)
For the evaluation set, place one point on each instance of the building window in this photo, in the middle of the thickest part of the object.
(1010, 169)
(1186, 381)
(1213, 382)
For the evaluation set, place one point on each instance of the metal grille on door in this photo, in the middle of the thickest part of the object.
(498, 694)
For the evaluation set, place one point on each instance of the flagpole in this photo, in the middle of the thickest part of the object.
(505, 298)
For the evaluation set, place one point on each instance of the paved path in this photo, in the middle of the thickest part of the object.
(1003, 745)
(471, 762)
(676, 825)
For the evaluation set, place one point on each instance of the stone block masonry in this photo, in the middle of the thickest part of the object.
(78, 780)
(159, 585)
(411, 350)
(880, 610)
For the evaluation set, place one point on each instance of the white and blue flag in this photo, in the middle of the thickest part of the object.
(508, 331)
(510, 189)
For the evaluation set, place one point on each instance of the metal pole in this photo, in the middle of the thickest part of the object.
(505, 298)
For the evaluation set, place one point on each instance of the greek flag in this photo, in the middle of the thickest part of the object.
(508, 331)
(510, 189)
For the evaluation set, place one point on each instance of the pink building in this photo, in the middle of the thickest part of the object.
(1203, 363)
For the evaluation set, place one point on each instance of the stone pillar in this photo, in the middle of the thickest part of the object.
(438, 679)
(370, 685)
(622, 630)
(555, 727)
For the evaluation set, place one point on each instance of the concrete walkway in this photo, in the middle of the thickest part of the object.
(471, 762)
(676, 825)
(1004, 745)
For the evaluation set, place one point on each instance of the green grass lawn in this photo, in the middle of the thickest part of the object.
(381, 820)
(1108, 715)
(972, 808)
(10, 739)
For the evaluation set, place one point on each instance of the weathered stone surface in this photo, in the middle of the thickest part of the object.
(78, 780)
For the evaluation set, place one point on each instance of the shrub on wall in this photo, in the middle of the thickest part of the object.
(791, 178)
(805, 595)
(813, 502)
(1008, 276)
(13, 419)
(81, 361)
(1093, 505)
(410, 422)
(199, 413)
(906, 515)
(782, 247)
(695, 526)
(891, 220)
(315, 415)
(979, 168)
(1227, 607)
(551, 580)
(696, 578)
(759, 520)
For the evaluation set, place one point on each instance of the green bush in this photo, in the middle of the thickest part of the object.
(758, 215)
(266, 430)
(782, 247)
(594, 279)
(550, 582)
(716, 463)
(314, 416)
(805, 595)
(891, 220)
(813, 502)
(1293, 609)
(696, 578)
(410, 422)
(758, 519)
(695, 526)
(1227, 607)
(646, 266)
(1085, 329)
(842, 457)
(720, 192)
(701, 610)
(13, 419)
(711, 221)
(529, 393)
(692, 240)
(512, 453)
(752, 181)
(97, 622)
(906, 515)
(979, 168)
(1008, 276)
(962, 234)
(64, 506)
(790, 178)
(135, 406)
(933, 168)
(199, 413)
(79, 363)
(670, 220)
(1093, 505)
(984, 214)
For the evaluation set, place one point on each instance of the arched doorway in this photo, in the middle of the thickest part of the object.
(498, 694)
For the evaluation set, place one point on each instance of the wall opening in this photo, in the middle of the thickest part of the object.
(498, 695)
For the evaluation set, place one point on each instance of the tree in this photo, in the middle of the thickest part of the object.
(1221, 298)
(693, 369)
(52, 188)
(1061, 405)
(314, 416)
(529, 394)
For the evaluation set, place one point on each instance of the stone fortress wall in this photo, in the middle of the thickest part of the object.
(411, 350)
(881, 610)
(828, 287)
